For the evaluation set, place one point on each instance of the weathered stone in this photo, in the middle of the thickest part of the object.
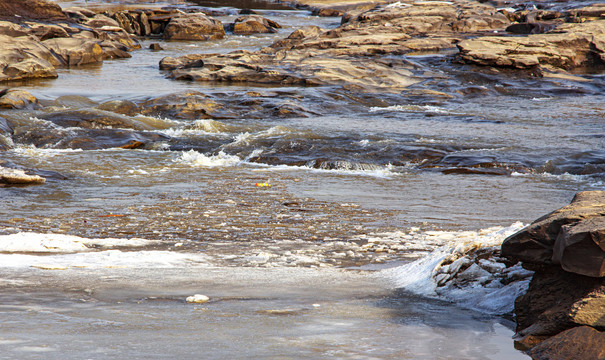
(94, 119)
(569, 46)
(101, 20)
(186, 105)
(558, 300)
(18, 177)
(145, 25)
(124, 107)
(156, 47)
(194, 27)
(74, 51)
(11, 29)
(535, 244)
(30, 9)
(579, 343)
(18, 99)
(580, 247)
(183, 62)
(80, 10)
(46, 31)
(254, 24)
(25, 57)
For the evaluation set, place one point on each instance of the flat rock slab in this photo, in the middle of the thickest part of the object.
(10, 176)
(567, 47)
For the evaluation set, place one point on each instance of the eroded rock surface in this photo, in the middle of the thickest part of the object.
(579, 343)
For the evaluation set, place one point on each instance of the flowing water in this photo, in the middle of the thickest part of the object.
(333, 260)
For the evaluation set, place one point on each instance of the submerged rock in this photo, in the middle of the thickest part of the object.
(18, 177)
(18, 99)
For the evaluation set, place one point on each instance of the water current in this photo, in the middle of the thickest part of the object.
(369, 192)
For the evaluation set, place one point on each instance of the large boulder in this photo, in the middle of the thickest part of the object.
(536, 243)
(580, 343)
(195, 26)
(75, 51)
(25, 57)
(254, 24)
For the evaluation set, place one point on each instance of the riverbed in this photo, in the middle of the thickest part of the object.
(312, 234)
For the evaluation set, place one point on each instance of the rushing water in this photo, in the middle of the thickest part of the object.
(360, 184)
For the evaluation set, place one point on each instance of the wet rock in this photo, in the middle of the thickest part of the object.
(94, 119)
(579, 343)
(18, 177)
(6, 132)
(197, 299)
(79, 13)
(30, 10)
(124, 107)
(535, 244)
(155, 47)
(75, 52)
(18, 99)
(186, 105)
(194, 27)
(327, 12)
(569, 46)
(183, 62)
(254, 24)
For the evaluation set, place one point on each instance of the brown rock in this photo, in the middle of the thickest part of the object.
(25, 57)
(569, 46)
(12, 29)
(579, 343)
(254, 24)
(75, 51)
(100, 20)
(124, 107)
(156, 47)
(30, 10)
(580, 247)
(194, 27)
(558, 300)
(186, 105)
(183, 62)
(18, 99)
(535, 243)
(18, 177)
(46, 31)
(94, 119)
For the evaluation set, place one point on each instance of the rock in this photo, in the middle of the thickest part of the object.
(6, 135)
(155, 47)
(254, 24)
(327, 12)
(18, 99)
(18, 177)
(11, 29)
(197, 299)
(94, 119)
(100, 20)
(558, 300)
(31, 10)
(25, 57)
(580, 247)
(79, 11)
(75, 51)
(186, 105)
(194, 27)
(579, 343)
(569, 46)
(46, 31)
(535, 244)
(124, 107)
(183, 62)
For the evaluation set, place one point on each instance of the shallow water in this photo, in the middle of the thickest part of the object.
(359, 183)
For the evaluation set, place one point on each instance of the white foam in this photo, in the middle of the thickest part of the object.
(195, 158)
(59, 243)
(454, 272)
(412, 108)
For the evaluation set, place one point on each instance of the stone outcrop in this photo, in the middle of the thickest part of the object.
(356, 55)
(579, 343)
(33, 49)
(566, 250)
(536, 243)
(566, 47)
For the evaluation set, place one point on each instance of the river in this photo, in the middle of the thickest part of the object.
(330, 261)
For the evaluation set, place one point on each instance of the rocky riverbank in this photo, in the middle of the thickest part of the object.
(562, 315)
